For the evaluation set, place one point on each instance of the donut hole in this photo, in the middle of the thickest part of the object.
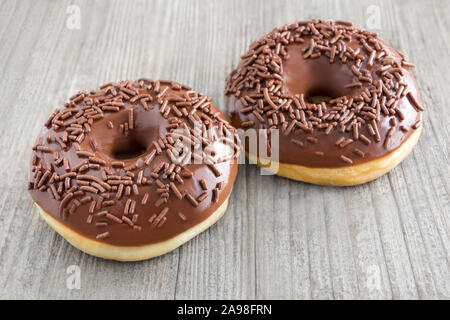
(317, 79)
(320, 94)
(130, 148)
(115, 144)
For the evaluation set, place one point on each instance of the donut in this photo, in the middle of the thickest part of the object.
(345, 105)
(134, 169)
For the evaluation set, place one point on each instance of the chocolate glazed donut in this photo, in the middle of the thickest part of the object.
(135, 169)
(346, 104)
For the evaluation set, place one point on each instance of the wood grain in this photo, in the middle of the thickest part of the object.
(388, 239)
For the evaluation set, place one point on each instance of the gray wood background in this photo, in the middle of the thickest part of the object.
(388, 239)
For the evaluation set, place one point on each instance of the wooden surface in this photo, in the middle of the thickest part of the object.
(279, 239)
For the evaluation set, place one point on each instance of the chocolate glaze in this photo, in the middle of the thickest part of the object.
(111, 145)
(319, 77)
